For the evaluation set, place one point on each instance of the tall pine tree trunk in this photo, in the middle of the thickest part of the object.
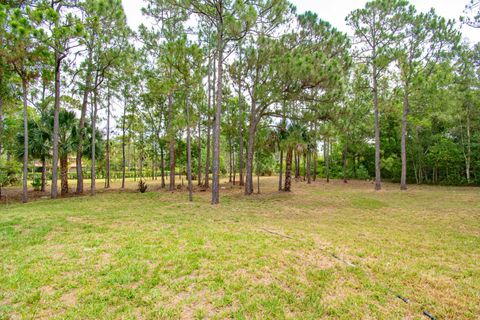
(44, 175)
(309, 164)
(468, 154)
(280, 171)
(234, 167)
(86, 92)
(230, 166)
(199, 169)
(217, 118)
(209, 121)
(304, 163)
(94, 132)
(240, 123)
(154, 161)
(258, 173)
(171, 143)
(355, 166)
(378, 183)
(25, 142)
(288, 170)
(345, 152)
(124, 128)
(162, 165)
(140, 160)
(107, 156)
(1, 123)
(326, 158)
(406, 109)
(56, 125)
(189, 155)
(250, 150)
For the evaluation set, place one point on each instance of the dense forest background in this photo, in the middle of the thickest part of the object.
(235, 89)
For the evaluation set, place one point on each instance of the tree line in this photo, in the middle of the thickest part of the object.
(217, 88)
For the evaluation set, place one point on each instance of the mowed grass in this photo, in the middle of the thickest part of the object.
(322, 251)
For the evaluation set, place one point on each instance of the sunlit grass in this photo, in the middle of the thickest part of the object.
(323, 251)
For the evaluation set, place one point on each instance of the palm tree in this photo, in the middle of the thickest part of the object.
(67, 143)
(39, 137)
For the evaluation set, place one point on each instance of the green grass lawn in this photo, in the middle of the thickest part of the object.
(322, 251)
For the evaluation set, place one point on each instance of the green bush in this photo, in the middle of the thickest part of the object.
(36, 183)
(9, 173)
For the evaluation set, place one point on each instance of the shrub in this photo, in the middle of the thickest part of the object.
(10, 173)
(142, 186)
(36, 183)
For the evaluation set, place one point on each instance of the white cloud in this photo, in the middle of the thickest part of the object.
(335, 11)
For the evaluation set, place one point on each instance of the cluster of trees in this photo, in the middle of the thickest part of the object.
(212, 88)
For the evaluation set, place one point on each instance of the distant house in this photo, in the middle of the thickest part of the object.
(72, 165)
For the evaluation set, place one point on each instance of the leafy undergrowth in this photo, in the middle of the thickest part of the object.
(322, 251)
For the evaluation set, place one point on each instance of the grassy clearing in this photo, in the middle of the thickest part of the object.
(154, 255)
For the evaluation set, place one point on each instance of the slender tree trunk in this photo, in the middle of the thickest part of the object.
(297, 165)
(81, 136)
(378, 184)
(134, 165)
(1, 133)
(129, 156)
(355, 166)
(141, 165)
(154, 161)
(326, 158)
(162, 165)
(209, 122)
(234, 168)
(468, 155)
(172, 164)
(171, 143)
(258, 173)
(250, 150)
(217, 119)
(207, 158)
(304, 163)
(315, 155)
(189, 156)
(44, 175)
(280, 171)
(25, 142)
(230, 169)
(199, 170)
(124, 158)
(64, 174)
(94, 132)
(1, 123)
(406, 108)
(309, 164)
(56, 125)
(288, 171)
(415, 170)
(345, 151)
(107, 156)
(240, 123)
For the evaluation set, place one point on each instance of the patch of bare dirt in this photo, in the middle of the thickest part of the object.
(69, 298)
